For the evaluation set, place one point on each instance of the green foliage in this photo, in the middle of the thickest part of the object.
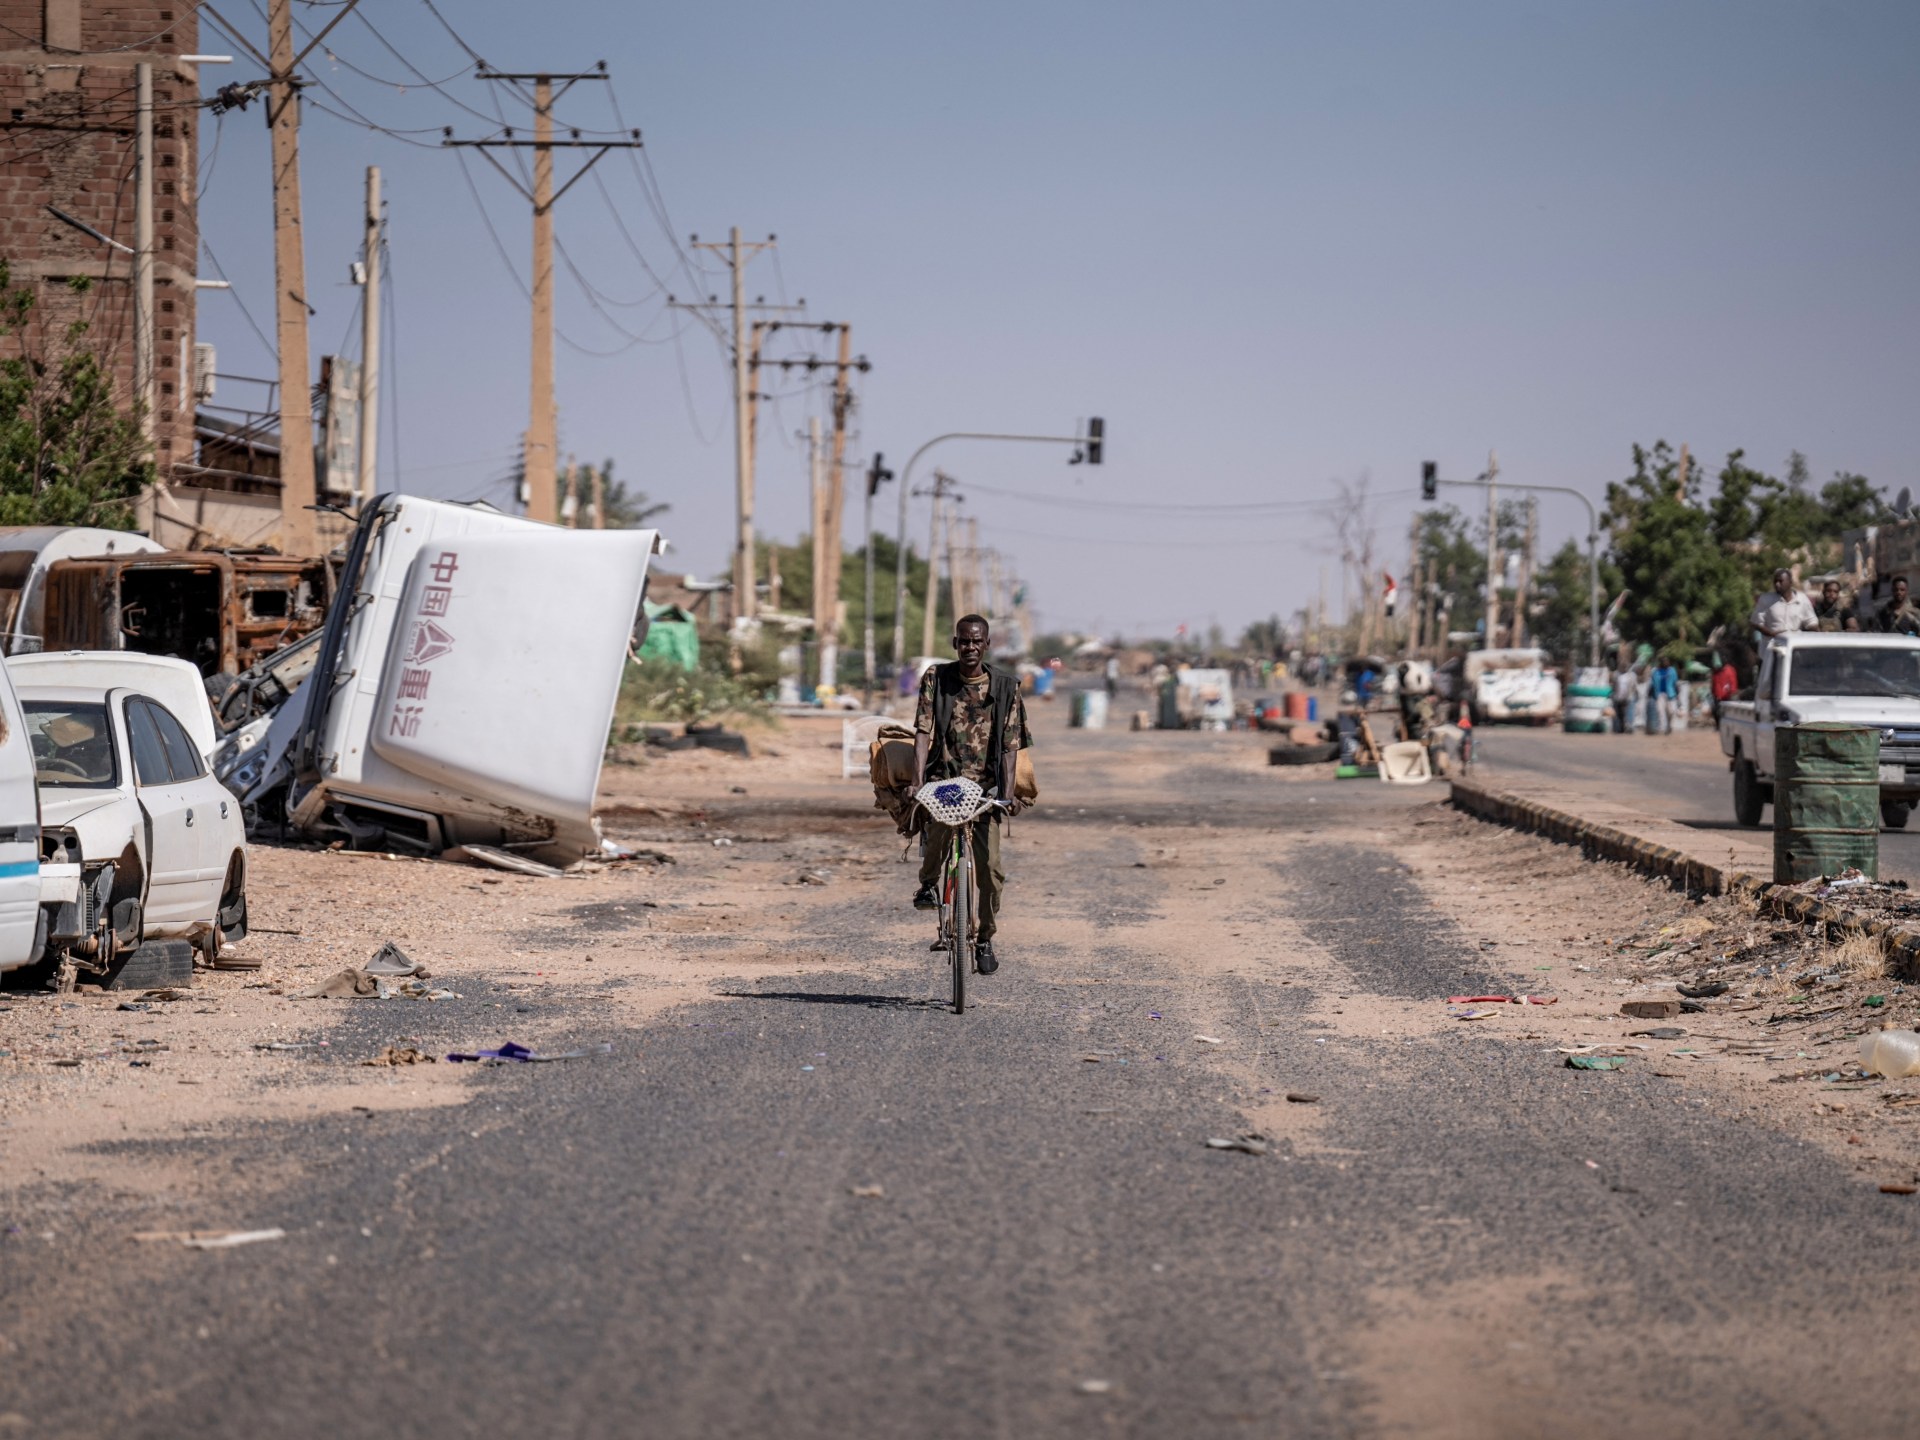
(1266, 639)
(626, 509)
(659, 690)
(68, 454)
(1559, 605)
(1669, 554)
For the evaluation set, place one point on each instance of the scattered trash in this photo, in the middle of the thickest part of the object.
(1595, 1062)
(1651, 1009)
(287, 1045)
(342, 985)
(1895, 1187)
(810, 877)
(1894, 1054)
(721, 842)
(1502, 999)
(1248, 1144)
(390, 960)
(1665, 1032)
(209, 1239)
(868, 1192)
(1094, 1387)
(69, 1064)
(1294, 1097)
(1872, 1002)
(1704, 992)
(173, 992)
(362, 985)
(134, 1005)
(511, 1053)
(400, 1055)
(1209, 1039)
(503, 860)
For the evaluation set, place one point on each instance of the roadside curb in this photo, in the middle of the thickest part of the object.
(1609, 843)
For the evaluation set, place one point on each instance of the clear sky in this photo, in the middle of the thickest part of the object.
(1273, 244)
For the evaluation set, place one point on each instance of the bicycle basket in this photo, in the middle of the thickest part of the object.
(951, 802)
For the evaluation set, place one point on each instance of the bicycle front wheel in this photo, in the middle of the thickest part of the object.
(961, 936)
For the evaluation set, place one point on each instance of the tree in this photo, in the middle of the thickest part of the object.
(1670, 554)
(626, 509)
(1559, 607)
(68, 454)
(1265, 638)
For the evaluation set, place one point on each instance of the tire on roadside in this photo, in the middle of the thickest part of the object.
(1894, 814)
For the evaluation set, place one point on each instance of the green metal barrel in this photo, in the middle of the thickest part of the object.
(1826, 801)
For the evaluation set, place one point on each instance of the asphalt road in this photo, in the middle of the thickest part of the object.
(1682, 777)
(664, 1242)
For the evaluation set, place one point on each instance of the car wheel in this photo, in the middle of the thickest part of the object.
(1894, 814)
(1749, 799)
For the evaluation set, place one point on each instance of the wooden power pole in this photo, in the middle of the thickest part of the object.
(370, 345)
(1492, 624)
(542, 442)
(298, 534)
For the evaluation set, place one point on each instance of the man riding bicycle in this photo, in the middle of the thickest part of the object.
(970, 724)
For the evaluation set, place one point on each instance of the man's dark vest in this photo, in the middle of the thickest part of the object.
(1002, 689)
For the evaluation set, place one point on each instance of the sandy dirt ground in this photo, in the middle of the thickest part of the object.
(757, 864)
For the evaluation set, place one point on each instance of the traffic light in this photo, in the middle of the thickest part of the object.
(1096, 433)
(1429, 480)
(877, 475)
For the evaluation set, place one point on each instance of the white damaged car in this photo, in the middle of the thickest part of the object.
(125, 794)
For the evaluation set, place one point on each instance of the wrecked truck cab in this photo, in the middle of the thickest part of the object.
(463, 687)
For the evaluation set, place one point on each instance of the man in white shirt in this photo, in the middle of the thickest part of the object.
(1784, 609)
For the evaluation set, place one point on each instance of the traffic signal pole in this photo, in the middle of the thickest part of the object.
(1430, 482)
(1088, 450)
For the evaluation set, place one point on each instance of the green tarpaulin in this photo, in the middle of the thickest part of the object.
(671, 636)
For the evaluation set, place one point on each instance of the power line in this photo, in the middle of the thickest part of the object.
(221, 271)
(1249, 509)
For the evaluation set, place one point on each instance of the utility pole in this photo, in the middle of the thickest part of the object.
(143, 351)
(942, 487)
(370, 343)
(599, 497)
(298, 535)
(817, 523)
(746, 359)
(877, 475)
(541, 458)
(1526, 581)
(1493, 553)
(828, 610)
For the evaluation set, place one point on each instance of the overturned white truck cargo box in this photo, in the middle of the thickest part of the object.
(464, 687)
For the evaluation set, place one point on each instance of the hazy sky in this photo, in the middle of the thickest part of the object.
(1273, 244)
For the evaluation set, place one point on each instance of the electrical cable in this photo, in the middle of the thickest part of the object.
(221, 271)
(1249, 509)
(140, 44)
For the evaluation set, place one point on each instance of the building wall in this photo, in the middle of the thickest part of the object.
(67, 106)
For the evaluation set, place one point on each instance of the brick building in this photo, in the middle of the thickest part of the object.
(67, 86)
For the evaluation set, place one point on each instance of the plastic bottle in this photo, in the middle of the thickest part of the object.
(1892, 1053)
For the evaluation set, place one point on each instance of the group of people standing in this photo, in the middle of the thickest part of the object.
(1785, 609)
(1651, 700)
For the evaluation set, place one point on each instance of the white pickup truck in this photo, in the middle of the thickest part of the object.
(1845, 679)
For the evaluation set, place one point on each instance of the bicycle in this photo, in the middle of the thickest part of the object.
(957, 804)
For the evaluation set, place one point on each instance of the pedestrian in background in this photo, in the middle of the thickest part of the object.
(1726, 684)
(1624, 690)
(1666, 691)
(1783, 609)
(1899, 616)
(1830, 611)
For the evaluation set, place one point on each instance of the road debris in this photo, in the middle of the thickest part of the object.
(1295, 1097)
(1502, 999)
(1209, 1039)
(1596, 1062)
(510, 1053)
(1094, 1387)
(503, 860)
(1704, 992)
(1894, 1054)
(400, 1055)
(868, 1192)
(390, 960)
(1897, 1187)
(1664, 1032)
(208, 1239)
(1651, 1009)
(351, 984)
(1249, 1144)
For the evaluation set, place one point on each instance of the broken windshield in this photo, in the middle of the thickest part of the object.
(71, 744)
(1883, 672)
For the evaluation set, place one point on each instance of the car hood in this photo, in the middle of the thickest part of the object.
(63, 807)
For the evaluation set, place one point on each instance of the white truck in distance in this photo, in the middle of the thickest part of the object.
(1845, 679)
